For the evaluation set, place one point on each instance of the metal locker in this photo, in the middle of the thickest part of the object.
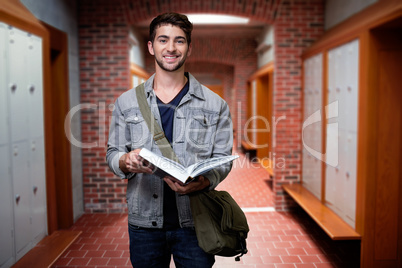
(34, 86)
(349, 177)
(351, 84)
(22, 135)
(6, 209)
(38, 189)
(4, 133)
(331, 172)
(36, 133)
(312, 133)
(17, 82)
(22, 197)
(6, 203)
(343, 87)
(340, 180)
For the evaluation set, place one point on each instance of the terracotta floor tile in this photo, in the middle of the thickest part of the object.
(296, 251)
(288, 238)
(113, 253)
(89, 246)
(271, 259)
(108, 246)
(290, 259)
(282, 244)
(79, 261)
(118, 261)
(305, 265)
(95, 253)
(278, 252)
(284, 265)
(98, 261)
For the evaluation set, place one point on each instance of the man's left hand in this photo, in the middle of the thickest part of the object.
(198, 184)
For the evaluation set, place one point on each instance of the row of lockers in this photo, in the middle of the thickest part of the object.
(341, 111)
(22, 154)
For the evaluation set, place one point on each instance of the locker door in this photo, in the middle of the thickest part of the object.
(22, 197)
(332, 134)
(4, 134)
(351, 83)
(6, 203)
(343, 86)
(349, 177)
(38, 189)
(312, 133)
(34, 86)
(17, 84)
(6, 209)
(36, 149)
(19, 136)
(351, 95)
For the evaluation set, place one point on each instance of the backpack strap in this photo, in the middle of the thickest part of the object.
(159, 136)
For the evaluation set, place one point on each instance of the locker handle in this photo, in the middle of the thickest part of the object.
(35, 189)
(17, 198)
(31, 88)
(13, 87)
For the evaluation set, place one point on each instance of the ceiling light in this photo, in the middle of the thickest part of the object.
(216, 19)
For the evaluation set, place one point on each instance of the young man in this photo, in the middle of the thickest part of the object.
(197, 124)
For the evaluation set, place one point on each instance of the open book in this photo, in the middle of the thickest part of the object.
(167, 167)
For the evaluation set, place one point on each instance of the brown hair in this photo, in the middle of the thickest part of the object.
(174, 19)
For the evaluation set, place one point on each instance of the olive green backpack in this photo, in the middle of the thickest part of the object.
(220, 224)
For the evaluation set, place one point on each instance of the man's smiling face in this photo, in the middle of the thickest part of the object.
(170, 47)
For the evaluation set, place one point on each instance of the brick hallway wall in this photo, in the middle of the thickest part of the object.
(298, 25)
(104, 75)
(103, 28)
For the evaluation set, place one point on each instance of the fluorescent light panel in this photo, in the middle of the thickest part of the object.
(216, 19)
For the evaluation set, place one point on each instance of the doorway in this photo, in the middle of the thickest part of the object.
(64, 217)
(385, 184)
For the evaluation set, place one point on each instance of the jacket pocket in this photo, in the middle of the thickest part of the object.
(202, 128)
(139, 132)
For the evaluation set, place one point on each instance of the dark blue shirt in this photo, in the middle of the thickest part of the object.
(166, 110)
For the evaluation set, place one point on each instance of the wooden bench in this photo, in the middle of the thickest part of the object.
(250, 149)
(48, 250)
(331, 223)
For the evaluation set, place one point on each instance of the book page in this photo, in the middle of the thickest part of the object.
(211, 163)
(167, 165)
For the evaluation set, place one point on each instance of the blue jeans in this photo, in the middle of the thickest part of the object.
(154, 247)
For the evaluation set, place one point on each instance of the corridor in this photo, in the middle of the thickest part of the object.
(276, 239)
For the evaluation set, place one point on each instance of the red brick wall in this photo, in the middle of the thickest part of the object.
(104, 75)
(298, 24)
(103, 31)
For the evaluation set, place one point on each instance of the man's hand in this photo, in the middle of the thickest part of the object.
(133, 163)
(196, 185)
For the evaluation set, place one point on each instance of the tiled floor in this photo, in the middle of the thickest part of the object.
(276, 239)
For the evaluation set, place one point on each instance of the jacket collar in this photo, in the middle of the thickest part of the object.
(195, 86)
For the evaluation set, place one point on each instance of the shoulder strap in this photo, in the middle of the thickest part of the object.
(159, 136)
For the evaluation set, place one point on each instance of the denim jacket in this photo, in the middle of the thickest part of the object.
(202, 129)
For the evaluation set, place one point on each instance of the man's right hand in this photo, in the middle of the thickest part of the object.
(132, 162)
